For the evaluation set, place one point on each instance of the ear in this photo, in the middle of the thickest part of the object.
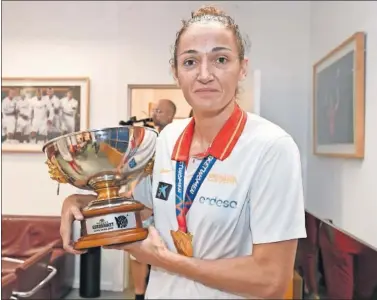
(244, 68)
(174, 72)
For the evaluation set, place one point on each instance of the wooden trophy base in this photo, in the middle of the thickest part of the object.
(111, 238)
(107, 226)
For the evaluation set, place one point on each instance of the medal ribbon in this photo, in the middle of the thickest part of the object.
(183, 201)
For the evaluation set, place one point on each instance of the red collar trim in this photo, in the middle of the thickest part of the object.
(223, 143)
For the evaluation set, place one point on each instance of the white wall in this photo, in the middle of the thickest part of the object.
(344, 190)
(120, 43)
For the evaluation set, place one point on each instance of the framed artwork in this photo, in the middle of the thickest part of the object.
(35, 110)
(141, 98)
(338, 100)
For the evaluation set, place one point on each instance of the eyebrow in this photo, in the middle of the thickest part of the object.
(216, 49)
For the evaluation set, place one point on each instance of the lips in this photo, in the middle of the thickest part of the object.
(206, 90)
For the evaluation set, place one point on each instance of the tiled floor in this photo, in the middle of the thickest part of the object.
(74, 294)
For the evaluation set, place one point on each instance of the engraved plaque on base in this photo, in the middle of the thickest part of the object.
(103, 161)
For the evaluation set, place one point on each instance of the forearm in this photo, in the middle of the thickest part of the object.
(243, 275)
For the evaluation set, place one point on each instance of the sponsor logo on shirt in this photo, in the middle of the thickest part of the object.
(222, 178)
(215, 201)
(163, 190)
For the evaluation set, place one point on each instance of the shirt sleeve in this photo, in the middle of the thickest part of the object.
(276, 195)
(143, 192)
(85, 192)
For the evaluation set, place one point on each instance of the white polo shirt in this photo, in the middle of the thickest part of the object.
(252, 195)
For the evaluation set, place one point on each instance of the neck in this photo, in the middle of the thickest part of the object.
(207, 126)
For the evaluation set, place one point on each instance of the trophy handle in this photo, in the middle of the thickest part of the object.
(54, 171)
(148, 170)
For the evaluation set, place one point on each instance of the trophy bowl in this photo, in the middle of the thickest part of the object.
(103, 161)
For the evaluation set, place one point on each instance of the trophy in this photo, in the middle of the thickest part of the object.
(103, 161)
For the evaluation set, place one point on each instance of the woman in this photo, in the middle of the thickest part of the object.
(240, 172)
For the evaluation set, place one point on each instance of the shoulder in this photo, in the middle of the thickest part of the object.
(172, 131)
(266, 135)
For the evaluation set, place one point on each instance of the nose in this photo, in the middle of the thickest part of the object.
(205, 73)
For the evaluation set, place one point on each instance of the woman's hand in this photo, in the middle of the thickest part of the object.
(151, 251)
(70, 212)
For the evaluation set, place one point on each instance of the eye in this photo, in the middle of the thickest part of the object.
(189, 62)
(221, 60)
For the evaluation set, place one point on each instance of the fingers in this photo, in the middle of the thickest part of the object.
(128, 194)
(153, 232)
(146, 213)
(70, 212)
(65, 233)
(125, 246)
(76, 213)
(68, 215)
(68, 248)
(65, 230)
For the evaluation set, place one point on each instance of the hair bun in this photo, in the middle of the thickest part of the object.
(208, 11)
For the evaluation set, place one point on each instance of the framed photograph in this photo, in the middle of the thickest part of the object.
(338, 100)
(35, 110)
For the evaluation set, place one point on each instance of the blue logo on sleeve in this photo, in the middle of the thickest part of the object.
(132, 164)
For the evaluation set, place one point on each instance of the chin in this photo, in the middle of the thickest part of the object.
(209, 106)
(207, 111)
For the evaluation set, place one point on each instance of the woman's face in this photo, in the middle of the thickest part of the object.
(208, 66)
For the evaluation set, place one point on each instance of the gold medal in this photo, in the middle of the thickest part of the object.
(183, 242)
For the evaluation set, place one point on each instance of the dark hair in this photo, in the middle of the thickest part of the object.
(210, 13)
(191, 113)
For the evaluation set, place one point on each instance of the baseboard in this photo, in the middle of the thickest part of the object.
(105, 286)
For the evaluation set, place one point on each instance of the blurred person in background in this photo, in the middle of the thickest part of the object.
(163, 113)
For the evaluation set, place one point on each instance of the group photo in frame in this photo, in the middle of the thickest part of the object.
(338, 100)
(35, 110)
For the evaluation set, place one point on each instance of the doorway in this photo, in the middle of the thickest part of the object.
(142, 97)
